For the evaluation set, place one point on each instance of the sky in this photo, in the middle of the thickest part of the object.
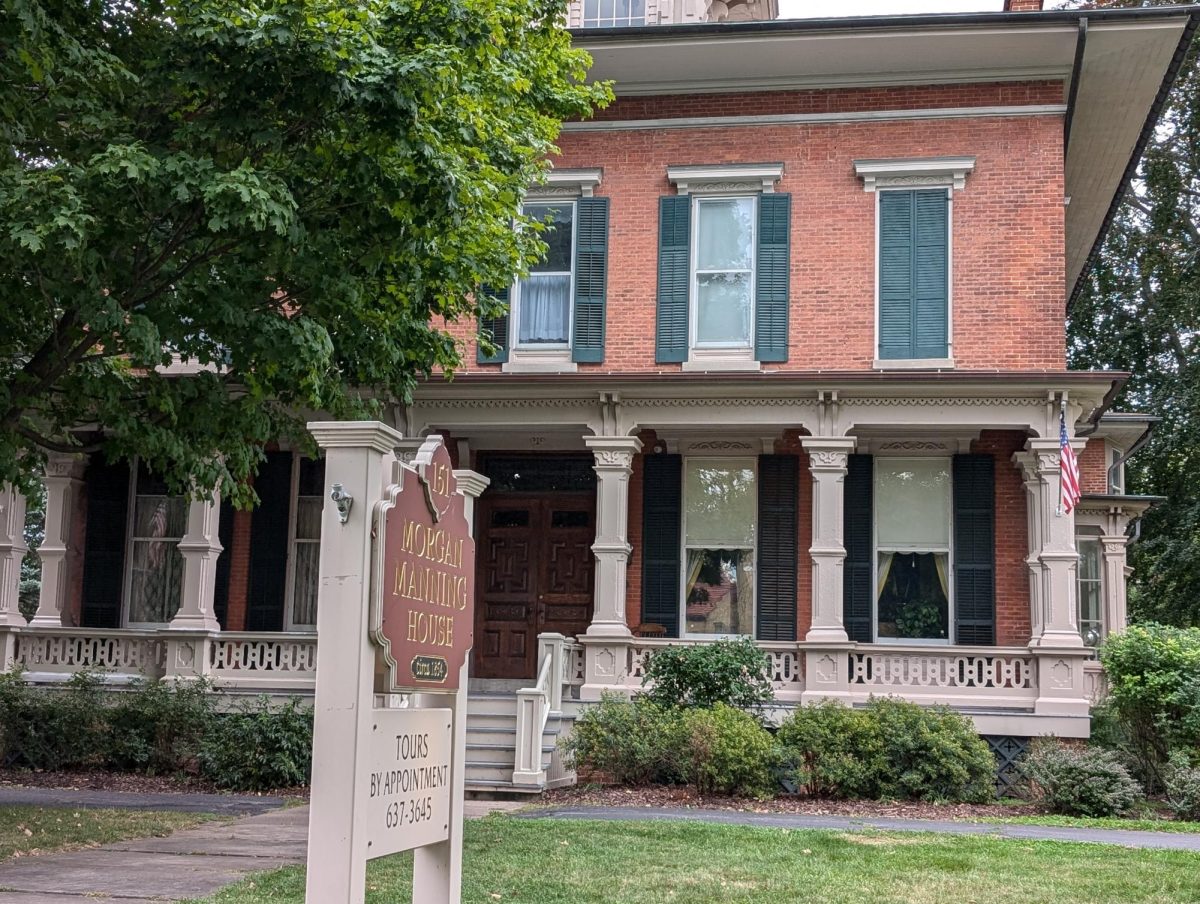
(812, 9)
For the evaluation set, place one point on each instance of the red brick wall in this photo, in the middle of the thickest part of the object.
(1022, 6)
(1012, 537)
(1093, 467)
(1008, 263)
(239, 571)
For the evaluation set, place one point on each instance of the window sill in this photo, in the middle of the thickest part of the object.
(702, 363)
(913, 364)
(539, 361)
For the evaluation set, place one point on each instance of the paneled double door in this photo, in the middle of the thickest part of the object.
(536, 570)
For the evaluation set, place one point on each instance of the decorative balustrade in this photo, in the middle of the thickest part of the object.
(787, 665)
(971, 676)
(1095, 681)
(268, 661)
(573, 666)
(46, 652)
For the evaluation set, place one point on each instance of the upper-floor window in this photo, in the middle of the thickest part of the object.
(722, 308)
(541, 302)
(723, 267)
(913, 252)
(610, 13)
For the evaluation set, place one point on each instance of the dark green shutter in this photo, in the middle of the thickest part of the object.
(674, 278)
(661, 525)
(267, 585)
(858, 525)
(496, 328)
(913, 274)
(591, 279)
(778, 541)
(974, 549)
(221, 588)
(107, 487)
(771, 279)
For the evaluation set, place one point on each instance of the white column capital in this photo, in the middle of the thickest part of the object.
(374, 435)
(472, 483)
(613, 452)
(828, 453)
(67, 465)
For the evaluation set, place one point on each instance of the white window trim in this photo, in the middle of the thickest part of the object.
(565, 183)
(726, 179)
(949, 551)
(289, 597)
(611, 21)
(914, 172)
(514, 313)
(127, 575)
(685, 546)
(946, 363)
(719, 350)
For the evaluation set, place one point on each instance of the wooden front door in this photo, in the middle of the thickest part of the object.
(535, 575)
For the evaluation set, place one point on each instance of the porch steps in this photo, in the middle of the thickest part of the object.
(492, 744)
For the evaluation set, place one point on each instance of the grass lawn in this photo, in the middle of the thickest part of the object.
(1132, 824)
(30, 830)
(576, 862)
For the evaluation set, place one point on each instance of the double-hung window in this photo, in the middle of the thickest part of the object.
(542, 300)
(720, 515)
(308, 477)
(158, 521)
(722, 310)
(723, 268)
(1090, 589)
(610, 13)
(912, 543)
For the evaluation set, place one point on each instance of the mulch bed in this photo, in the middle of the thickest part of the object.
(125, 781)
(603, 796)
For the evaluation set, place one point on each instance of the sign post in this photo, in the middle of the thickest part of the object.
(395, 616)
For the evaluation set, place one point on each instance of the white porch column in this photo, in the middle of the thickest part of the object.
(1059, 615)
(472, 484)
(1115, 574)
(200, 548)
(1026, 462)
(12, 551)
(614, 464)
(63, 480)
(827, 457)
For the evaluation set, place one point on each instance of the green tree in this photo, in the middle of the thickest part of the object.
(290, 196)
(1139, 310)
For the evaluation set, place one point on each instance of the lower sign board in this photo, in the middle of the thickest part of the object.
(409, 802)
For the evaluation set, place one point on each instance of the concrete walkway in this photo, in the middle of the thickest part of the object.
(191, 863)
(1126, 838)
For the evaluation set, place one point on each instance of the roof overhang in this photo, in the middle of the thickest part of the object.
(1126, 65)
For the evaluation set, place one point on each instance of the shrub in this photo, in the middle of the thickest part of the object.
(931, 754)
(1182, 780)
(1079, 781)
(734, 672)
(831, 750)
(727, 751)
(62, 728)
(633, 743)
(158, 727)
(258, 747)
(1154, 689)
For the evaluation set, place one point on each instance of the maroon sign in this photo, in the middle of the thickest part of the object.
(423, 615)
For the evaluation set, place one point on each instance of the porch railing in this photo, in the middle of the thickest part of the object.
(559, 667)
(787, 665)
(959, 676)
(238, 662)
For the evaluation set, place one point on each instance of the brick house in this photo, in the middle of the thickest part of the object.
(792, 368)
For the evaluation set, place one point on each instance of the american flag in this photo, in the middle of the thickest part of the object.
(1068, 467)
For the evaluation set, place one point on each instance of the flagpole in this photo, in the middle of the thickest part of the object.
(1062, 425)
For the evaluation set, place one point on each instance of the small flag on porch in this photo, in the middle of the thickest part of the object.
(1068, 468)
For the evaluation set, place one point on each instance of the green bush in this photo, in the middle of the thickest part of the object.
(258, 747)
(1182, 780)
(931, 754)
(734, 672)
(727, 751)
(1079, 781)
(890, 749)
(831, 750)
(62, 728)
(633, 743)
(1154, 690)
(158, 727)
